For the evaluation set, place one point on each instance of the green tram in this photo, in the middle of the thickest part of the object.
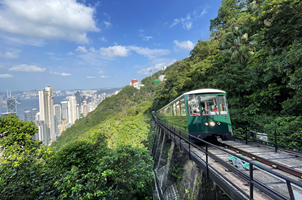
(202, 113)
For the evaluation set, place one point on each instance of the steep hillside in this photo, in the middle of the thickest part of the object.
(118, 117)
(255, 56)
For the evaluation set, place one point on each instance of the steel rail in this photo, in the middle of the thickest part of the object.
(263, 160)
(252, 181)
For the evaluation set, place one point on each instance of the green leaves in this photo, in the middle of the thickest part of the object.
(18, 138)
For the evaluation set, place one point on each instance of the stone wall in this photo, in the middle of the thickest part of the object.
(178, 176)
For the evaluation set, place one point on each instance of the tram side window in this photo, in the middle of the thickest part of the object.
(182, 107)
(167, 111)
(177, 108)
(174, 109)
(193, 105)
(209, 105)
(222, 105)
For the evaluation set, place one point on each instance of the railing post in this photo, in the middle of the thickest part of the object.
(189, 150)
(207, 160)
(290, 190)
(245, 135)
(251, 183)
(276, 145)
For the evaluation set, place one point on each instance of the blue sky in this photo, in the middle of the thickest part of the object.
(71, 44)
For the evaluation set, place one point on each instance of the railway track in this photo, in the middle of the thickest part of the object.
(262, 160)
(273, 186)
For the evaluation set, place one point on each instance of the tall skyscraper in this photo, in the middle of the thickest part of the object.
(57, 111)
(85, 109)
(27, 115)
(43, 132)
(56, 126)
(33, 113)
(11, 105)
(78, 111)
(78, 97)
(46, 111)
(72, 109)
(64, 110)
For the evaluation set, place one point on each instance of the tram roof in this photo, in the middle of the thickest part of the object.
(204, 91)
(199, 91)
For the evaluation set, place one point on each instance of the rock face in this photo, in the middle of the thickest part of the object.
(178, 177)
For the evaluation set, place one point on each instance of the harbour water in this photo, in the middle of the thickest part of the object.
(29, 104)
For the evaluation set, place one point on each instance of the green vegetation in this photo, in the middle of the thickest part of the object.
(85, 169)
(254, 53)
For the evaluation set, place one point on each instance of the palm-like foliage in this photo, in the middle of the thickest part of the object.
(236, 44)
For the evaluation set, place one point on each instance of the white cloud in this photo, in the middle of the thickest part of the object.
(50, 53)
(90, 77)
(70, 54)
(161, 62)
(65, 74)
(186, 22)
(114, 51)
(187, 45)
(6, 76)
(104, 76)
(204, 11)
(149, 52)
(97, 57)
(107, 24)
(48, 19)
(61, 74)
(147, 38)
(22, 40)
(103, 39)
(81, 49)
(27, 68)
(100, 72)
(9, 55)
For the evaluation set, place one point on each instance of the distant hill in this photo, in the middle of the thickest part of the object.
(123, 118)
(108, 91)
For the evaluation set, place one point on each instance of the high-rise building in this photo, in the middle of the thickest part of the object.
(56, 126)
(27, 115)
(64, 110)
(78, 97)
(11, 105)
(85, 109)
(43, 133)
(72, 109)
(78, 112)
(57, 112)
(33, 113)
(46, 110)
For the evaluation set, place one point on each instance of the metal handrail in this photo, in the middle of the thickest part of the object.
(249, 178)
(275, 139)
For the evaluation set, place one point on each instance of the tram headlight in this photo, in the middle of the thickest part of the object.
(206, 124)
(218, 123)
(212, 123)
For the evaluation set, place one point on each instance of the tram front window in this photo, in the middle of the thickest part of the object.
(222, 105)
(193, 105)
(209, 105)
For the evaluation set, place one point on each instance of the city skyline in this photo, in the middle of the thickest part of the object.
(104, 45)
